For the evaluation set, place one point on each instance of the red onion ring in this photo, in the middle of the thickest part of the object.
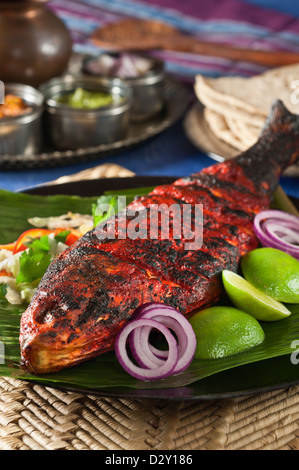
(152, 356)
(277, 229)
(148, 306)
(140, 311)
(148, 358)
(184, 333)
(179, 325)
(273, 229)
(159, 372)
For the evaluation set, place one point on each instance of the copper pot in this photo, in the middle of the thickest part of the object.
(35, 45)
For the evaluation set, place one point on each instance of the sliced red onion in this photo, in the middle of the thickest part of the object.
(146, 307)
(278, 229)
(140, 311)
(174, 320)
(125, 65)
(280, 232)
(159, 372)
(149, 358)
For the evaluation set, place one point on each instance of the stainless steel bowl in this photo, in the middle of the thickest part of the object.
(22, 135)
(147, 89)
(73, 128)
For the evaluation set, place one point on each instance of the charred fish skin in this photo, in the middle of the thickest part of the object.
(92, 289)
(276, 149)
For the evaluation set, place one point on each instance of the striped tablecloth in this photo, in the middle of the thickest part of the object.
(235, 22)
(232, 22)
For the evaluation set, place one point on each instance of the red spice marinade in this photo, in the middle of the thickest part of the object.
(91, 290)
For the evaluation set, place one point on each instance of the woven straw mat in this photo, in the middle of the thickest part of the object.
(34, 417)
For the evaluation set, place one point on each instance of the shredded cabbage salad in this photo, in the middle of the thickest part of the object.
(24, 261)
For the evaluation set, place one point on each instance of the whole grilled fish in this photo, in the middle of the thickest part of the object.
(92, 289)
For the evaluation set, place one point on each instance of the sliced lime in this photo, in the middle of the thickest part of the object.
(250, 299)
(224, 331)
(274, 272)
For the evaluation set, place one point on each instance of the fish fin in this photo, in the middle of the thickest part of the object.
(276, 148)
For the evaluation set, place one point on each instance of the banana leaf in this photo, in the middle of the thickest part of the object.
(105, 372)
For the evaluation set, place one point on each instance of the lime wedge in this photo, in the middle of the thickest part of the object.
(274, 272)
(224, 331)
(250, 299)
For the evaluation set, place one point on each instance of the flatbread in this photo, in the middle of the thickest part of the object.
(254, 95)
(244, 131)
(236, 107)
(219, 127)
(226, 106)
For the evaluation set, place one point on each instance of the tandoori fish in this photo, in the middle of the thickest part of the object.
(93, 288)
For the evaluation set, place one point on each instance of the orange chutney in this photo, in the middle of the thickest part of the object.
(13, 106)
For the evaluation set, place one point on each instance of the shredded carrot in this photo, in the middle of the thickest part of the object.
(4, 273)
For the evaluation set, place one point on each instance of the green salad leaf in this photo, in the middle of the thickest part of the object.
(34, 262)
(108, 205)
(33, 265)
(117, 202)
(62, 236)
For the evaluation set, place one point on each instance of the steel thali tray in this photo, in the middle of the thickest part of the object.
(176, 101)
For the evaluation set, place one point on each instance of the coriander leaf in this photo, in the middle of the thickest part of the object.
(34, 262)
(116, 204)
(40, 244)
(62, 236)
(33, 265)
(98, 215)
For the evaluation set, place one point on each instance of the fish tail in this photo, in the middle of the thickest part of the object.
(276, 148)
